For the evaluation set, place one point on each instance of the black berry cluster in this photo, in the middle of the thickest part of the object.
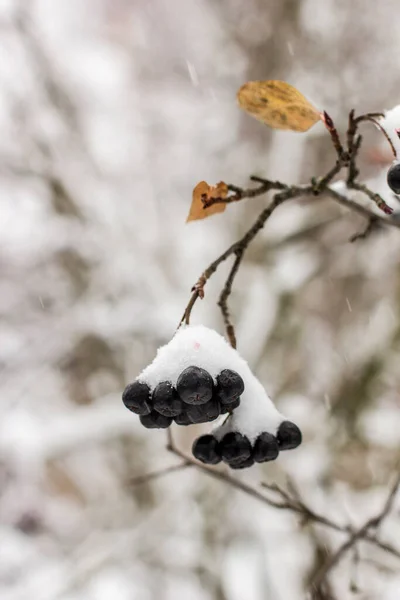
(236, 450)
(194, 399)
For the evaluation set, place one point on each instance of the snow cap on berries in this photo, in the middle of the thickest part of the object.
(199, 347)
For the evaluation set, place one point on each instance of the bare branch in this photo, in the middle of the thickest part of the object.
(240, 246)
(221, 476)
(223, 299)
(358, 208)
(240, 194)
(329, 124)
(379, 201)
(372, 523)
(320, 185)
(372, 224)
(345, 158)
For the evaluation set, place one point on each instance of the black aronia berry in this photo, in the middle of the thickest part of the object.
(393, 178)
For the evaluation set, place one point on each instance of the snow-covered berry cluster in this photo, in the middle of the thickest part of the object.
(197, 377)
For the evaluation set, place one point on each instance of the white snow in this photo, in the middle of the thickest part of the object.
(391, 122)
(339, 186)
(200, 346)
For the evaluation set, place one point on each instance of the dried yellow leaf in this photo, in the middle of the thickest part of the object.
(277, 104)
(201, 194)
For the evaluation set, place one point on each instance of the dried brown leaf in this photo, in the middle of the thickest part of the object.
(278, 104)
(201, 194)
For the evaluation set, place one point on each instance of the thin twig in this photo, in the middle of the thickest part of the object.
(379, 201)
(329, 124)
(276, 185)
(368, 116)
(141, 479)
(372, 117)
(366, 231)
(372, 523)
(288, 193)
(223, 299)
(319, 186)
(352, 171)
(354, 587)
(240, 194)
(221, 476)
(358, 208)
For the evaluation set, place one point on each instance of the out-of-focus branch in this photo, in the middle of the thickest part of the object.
(221, 476)
(141, 479)
(284, 500)
(361, 533)
(310, 516)
(46, 74)
(365, 233)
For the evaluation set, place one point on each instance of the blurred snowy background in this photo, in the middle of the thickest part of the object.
(110, 112)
